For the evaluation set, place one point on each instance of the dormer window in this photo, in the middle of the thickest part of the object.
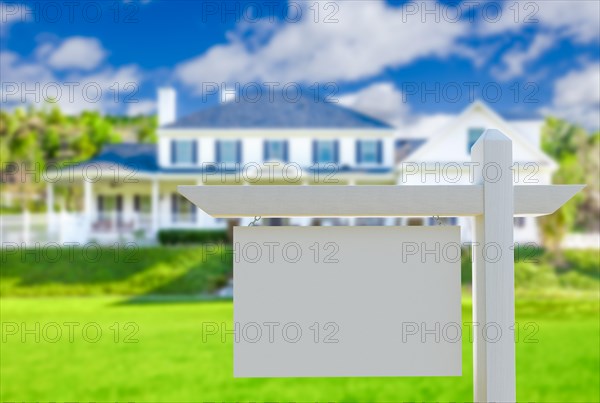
(183, 152)
(369, 152)
(325, 151)
(229, 151)
(276, 150)
(472, 137)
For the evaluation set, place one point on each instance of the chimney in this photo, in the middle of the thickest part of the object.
(166, 106)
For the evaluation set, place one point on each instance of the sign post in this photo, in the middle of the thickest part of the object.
(492, 200)
(493, 276)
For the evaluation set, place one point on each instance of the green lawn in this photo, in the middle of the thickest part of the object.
(169, 361)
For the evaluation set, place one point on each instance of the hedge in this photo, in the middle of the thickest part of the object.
(191, 236)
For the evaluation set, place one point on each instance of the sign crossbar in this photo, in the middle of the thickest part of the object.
(368, 201)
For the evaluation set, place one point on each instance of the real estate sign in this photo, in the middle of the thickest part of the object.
(347, 301)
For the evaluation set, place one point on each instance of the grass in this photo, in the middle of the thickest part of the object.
(202, 269)
(150, 303)
(113, 271)
(169, 361)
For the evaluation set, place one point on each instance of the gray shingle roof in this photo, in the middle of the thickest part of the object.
(405, 147)
(306, 112)
(141, 157)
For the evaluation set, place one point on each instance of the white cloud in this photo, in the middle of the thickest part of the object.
(32, 82)
(425, 126)
(11, 13)
(576, 19)
(77, 52)
(518, 57)
(386, 102)
(554, 21)
(143, 107)
(380, 100)
(366, 39)
(577, 96)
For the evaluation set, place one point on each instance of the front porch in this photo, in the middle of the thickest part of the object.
(124, 212)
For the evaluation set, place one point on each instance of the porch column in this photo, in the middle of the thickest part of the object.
(26, 227)
(351, 220)
(88, 198)
(201, 221)
(155, 209)
(50, 208)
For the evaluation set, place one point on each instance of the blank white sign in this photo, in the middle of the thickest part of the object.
(347, 301)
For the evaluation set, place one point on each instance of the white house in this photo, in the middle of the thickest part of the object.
(129, 191)
(444, 157)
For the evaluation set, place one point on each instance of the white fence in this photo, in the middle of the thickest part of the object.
(40, 228)
(30, 229)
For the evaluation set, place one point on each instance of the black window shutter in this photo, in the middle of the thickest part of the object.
(119, 203)
(379, 151)
(174, 203)
(336, 151)
(195, 151)
(358, 151)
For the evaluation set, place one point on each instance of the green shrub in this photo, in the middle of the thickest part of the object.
(531, 275)
(191, 270)
(578, 281)
(584, 261)
(191, 236)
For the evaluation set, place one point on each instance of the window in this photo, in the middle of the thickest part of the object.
(413, 222)
(182, 210)
(108, 205)
(519, 222)
(473, 136)
(325, 151)
(370, 221)
(183, 152)
(368, 152)
(228, 151)
(275, 150)
(142, 204)
(442, 220)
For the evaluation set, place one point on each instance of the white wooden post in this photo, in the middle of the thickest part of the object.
(65, 223)
(493, 272)
(50, 208)
(87, 204)
(155, 209)
(26, 227)
(200, 221)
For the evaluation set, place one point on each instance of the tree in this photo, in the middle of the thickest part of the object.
(577, 154)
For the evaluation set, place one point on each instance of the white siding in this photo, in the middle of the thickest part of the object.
(299, 146)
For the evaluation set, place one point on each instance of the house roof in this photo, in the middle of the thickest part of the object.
(500, 123)
(141, 157)
(405, 147)
(278, 112)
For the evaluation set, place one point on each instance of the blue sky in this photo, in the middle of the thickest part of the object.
(395, 60)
